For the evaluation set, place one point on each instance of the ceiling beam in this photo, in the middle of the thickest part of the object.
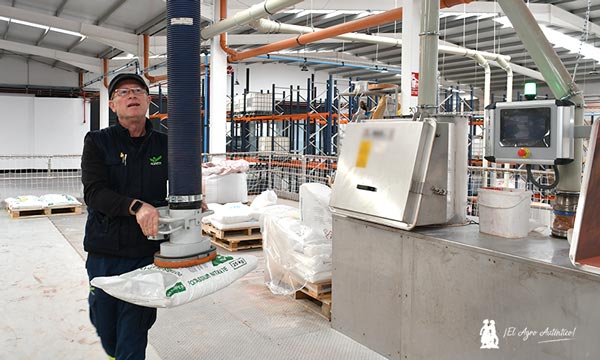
(60, 8)
(119, 39)
(80, 61)
(110, 11)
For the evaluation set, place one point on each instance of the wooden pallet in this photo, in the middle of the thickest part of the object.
(318, 290)
(51, 211)
(320, 304)
(235, 239)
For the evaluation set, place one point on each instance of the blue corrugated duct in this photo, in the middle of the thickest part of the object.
(185, 136)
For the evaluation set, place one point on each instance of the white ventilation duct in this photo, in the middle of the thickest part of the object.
(266, 8)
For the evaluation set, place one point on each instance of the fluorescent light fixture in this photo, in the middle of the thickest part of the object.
(125, 57)
(561, 40)
(26, 23)
(463, 15)
(44, 27)
(68, 32)
(309, 12)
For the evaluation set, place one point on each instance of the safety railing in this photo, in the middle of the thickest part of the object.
(281, 172)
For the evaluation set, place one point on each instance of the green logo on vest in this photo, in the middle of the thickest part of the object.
(221, 259)
(154, 161)
(177, 288)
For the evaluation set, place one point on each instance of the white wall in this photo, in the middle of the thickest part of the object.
(15, 71)
(263, 76)
(43, 126)
(16, 124)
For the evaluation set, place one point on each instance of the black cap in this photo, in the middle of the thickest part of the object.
(126, 76)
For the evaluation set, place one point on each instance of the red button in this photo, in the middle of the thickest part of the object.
(523, 153)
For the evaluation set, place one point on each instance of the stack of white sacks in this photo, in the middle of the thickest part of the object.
(297, 243)
(32, 202)
(236, 215)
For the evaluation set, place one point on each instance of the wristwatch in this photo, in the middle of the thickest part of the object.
(136, 206)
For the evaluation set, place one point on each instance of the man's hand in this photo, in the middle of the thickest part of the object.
(147, 218)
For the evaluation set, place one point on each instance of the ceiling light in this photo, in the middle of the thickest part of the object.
(303, 67)
(561, 40)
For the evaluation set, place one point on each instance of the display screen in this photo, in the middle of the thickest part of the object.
(528, 127)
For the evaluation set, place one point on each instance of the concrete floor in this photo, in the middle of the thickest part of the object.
(45, 315)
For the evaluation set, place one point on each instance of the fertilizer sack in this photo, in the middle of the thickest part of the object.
(154, 286)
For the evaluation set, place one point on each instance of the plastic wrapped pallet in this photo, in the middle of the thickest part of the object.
(225, 188)
(294, 253)
(261, 202)
(314, 207)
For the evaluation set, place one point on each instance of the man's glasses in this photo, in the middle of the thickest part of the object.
(125, 91)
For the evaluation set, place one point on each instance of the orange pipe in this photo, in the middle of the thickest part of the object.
(150, 78)
(223, 36)
(373, 20)
(158, 78)
(105, 65)
(330, 32)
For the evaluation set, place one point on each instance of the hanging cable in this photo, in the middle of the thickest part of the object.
(536, 183)
(584, 36)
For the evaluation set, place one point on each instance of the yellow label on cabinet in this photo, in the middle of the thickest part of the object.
(363, 153)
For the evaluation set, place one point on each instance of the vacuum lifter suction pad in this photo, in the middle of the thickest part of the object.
(185, 246)
(185, 261)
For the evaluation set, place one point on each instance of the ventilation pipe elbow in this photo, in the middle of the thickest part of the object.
(257, 11)
(150, 78)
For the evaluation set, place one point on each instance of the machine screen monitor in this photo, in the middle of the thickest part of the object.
(525, 127)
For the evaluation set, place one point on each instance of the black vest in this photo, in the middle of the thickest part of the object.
(140, 173)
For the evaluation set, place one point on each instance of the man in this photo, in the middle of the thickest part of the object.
(124, 174)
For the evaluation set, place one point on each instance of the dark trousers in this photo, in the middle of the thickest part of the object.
(122, 326)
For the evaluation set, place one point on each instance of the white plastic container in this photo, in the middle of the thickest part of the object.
(504, 212)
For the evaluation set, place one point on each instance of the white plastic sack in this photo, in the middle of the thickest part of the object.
(153, 286)
(232, 213)
(261, 202)
(25, 202)
(59, 200)
(214, 207)
(314, 208)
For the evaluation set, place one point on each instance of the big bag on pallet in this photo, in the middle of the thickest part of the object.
(225, 188)
(158, 287)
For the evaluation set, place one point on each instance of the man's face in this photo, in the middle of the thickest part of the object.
(129, 106)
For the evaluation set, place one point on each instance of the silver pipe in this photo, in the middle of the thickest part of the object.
(244, 17)
(428, 59)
